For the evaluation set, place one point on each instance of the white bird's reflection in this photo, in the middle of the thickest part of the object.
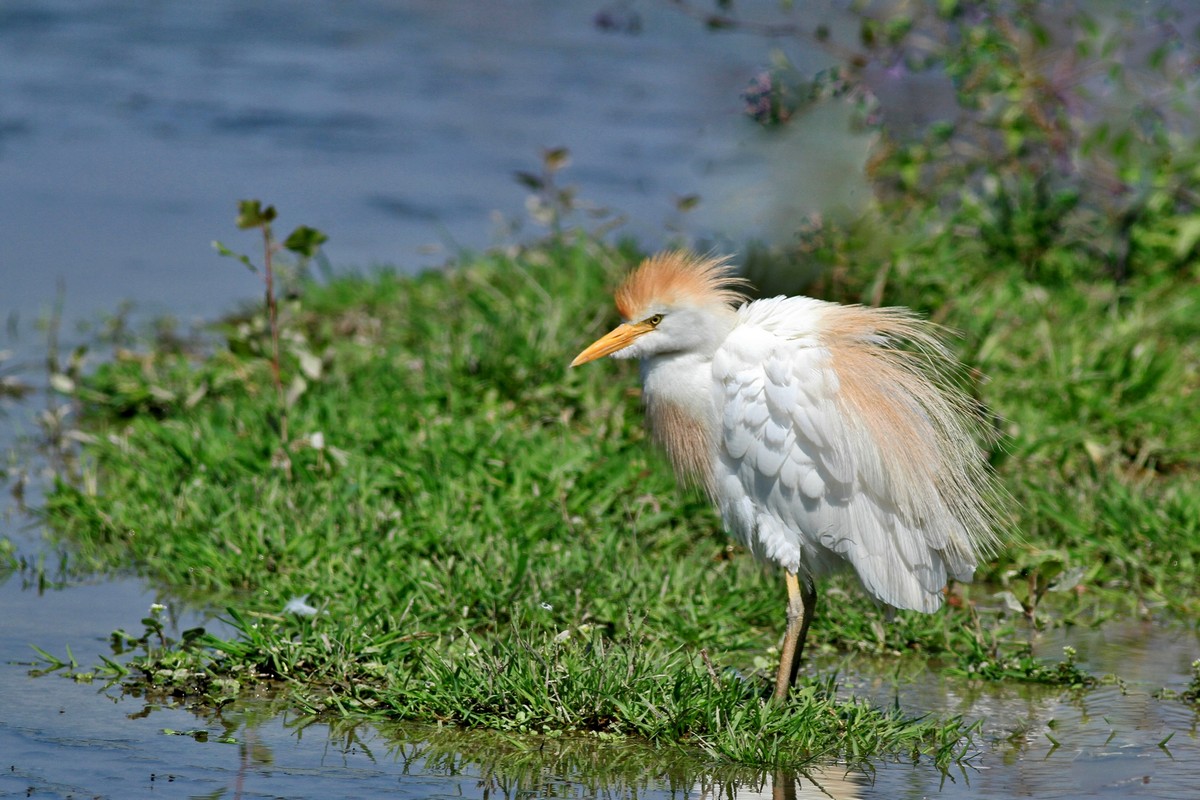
(823, 783)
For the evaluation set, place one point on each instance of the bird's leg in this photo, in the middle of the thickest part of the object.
(783, 785)
(802, 602)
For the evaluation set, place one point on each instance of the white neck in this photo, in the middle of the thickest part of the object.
(682, 380)
(678, 391)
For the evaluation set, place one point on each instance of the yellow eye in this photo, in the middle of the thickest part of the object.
(653, 321)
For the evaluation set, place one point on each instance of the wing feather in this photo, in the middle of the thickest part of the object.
(807, 481)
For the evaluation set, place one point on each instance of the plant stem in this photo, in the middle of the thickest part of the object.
(273, 318)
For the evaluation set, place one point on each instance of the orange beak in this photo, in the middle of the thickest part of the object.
(618, 338)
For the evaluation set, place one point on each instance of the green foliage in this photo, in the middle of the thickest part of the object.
(304, 242)
(8, 557)
(1022, 666)
(1069, 147)
(1192, 693)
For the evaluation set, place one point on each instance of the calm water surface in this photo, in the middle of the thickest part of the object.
(128, 130)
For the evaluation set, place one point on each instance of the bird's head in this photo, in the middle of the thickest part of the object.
(674, 302)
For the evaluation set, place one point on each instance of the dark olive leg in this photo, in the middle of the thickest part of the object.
(802, 602)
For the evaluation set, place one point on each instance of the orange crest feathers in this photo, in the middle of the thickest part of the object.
(679, 276)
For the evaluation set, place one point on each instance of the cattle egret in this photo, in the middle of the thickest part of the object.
(826, 434)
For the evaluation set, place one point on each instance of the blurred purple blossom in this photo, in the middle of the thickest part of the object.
(764, 100)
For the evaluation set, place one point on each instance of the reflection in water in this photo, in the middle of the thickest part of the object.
(830, 783)
(508, 767)
(299, 757)
(1108, 742)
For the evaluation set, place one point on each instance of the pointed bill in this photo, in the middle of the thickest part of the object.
(618, 338)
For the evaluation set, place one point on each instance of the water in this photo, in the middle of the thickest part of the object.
(128, 130)
(63, 739)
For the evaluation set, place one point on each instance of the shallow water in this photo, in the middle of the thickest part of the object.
(62, 739)
(1107, 741)
(128, 130)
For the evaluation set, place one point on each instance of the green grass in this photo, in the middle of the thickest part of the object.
(490, 540)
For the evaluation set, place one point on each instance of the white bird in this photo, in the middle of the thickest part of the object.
(826, 434)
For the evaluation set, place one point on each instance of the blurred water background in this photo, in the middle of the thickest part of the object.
(129, 129)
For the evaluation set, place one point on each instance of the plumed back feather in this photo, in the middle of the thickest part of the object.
(895, 375)
(844, 441)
